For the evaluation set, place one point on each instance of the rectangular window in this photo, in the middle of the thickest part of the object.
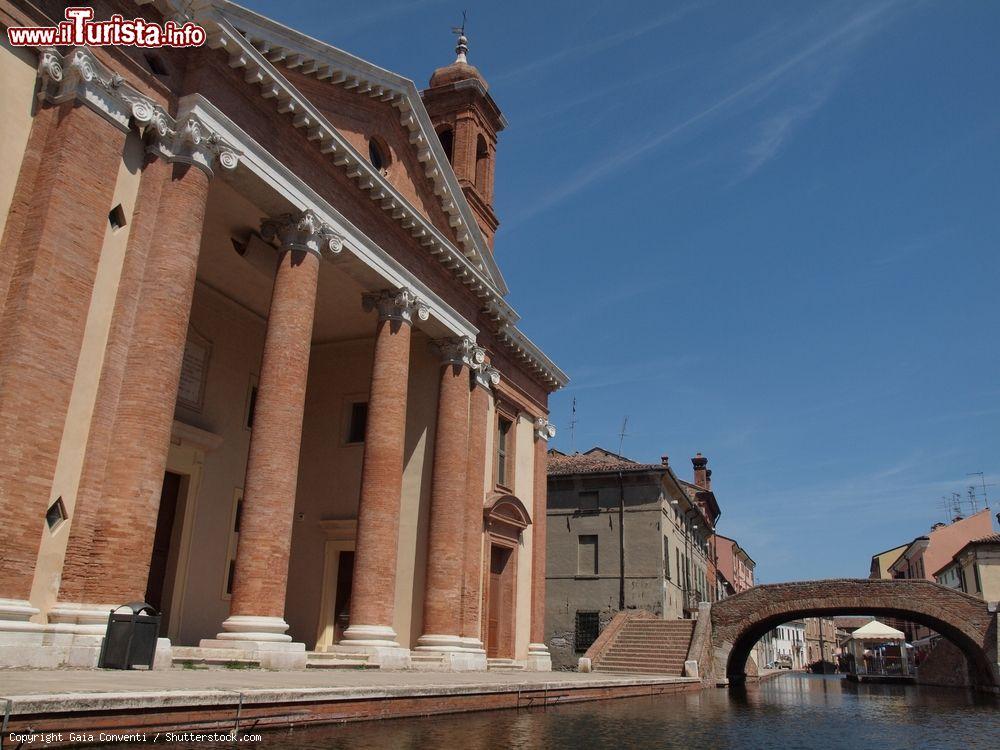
(589, 502)
(586, 555)
(666, 558)
(979, 583)
(356, 423)
(503, 446)
(588, 627)
(251, 405)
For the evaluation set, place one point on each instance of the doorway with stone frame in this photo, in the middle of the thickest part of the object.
(506, 518)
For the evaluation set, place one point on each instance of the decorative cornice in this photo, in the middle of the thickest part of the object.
(79, 75)
(399, 305)
(486, 376)
(459, 351)
(544, 429)
(302, 231)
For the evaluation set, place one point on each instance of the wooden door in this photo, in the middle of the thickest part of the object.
(169, 496)
(500, 608)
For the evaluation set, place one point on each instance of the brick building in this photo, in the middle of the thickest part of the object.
(256, 362)
(926, 555)
(735, 566)
(622, 535)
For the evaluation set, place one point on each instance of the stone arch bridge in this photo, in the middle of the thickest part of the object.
(738, 622)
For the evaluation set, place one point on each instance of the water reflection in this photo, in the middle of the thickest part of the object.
(791, 711)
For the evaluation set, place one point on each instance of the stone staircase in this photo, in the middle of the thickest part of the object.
(648, 646)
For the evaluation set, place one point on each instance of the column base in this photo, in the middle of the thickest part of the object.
(376, 636)
(448, 653)
(539, 659)
(262, 638)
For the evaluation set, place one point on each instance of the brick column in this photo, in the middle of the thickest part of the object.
(538, 652)
(449, 512)
(108, 551)
(483, 379)
(51, 248)
(261, 575)
(374, 586)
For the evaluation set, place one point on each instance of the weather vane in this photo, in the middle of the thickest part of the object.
(460, 30)
(462, 47)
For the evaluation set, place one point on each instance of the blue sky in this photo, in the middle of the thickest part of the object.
(764, 231)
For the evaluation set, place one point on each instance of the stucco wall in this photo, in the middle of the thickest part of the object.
(17, 86)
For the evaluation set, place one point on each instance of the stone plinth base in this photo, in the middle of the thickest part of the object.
(424, 659)
(279, 655)
(584, 665)
(539, 659)
(386, 657)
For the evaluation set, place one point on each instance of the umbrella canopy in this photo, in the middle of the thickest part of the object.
(877, 631)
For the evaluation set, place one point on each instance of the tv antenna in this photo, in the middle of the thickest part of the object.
(973, 501)
(982, 483)
(572, 428)
(622, 435)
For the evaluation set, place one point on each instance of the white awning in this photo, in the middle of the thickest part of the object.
(877, 631)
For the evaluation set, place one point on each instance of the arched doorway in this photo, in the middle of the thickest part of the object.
(505, 518)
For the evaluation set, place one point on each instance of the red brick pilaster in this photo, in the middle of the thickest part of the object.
(374, 586)
(51, 247)
(445, 544)
(543, 431)
(141, 433)
(81, 577)
(261, 576)
(475, 493)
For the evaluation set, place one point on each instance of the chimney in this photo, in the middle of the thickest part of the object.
(702, 474)
(665, 460)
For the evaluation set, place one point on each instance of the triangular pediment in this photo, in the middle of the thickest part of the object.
(344, 90)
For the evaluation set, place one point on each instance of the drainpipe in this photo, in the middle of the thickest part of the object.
(621, 542)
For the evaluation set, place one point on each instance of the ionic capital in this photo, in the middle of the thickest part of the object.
(486, 376)
(459, 350)
(189, 141)
(78, 75)
(401, 305)
(544, 429)
(303, 231)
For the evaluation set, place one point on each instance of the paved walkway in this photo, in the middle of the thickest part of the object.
(22, 682)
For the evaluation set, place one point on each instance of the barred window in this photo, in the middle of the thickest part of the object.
(588, 627)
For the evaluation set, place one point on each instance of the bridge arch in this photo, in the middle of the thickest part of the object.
(741, 620)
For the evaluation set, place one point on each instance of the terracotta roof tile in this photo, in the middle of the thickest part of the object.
(594, 461)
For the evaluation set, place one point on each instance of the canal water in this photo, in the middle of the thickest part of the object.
(790, 711)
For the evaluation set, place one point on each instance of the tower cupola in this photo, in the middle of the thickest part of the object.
(467, 121)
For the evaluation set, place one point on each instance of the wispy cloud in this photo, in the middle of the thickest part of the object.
(599, 44)
(819, 54)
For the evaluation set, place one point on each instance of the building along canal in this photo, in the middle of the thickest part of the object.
(792, 710)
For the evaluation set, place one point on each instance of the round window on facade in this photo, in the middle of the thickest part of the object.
(378, 155)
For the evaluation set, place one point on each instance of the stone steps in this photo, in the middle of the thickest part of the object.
(195, 657)
(503, 665)
(338, 660)
(648, 647)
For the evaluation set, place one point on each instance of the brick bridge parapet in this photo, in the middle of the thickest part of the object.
(741, 620)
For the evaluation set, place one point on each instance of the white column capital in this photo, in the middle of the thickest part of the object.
(544, 429)
(303, 231)
(459, 350)
(79, 75)
(188, 141)
(401, 305)
(486, 376)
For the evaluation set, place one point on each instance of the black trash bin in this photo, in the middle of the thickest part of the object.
(130, 639)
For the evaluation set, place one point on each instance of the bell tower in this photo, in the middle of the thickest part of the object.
(467, 121)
